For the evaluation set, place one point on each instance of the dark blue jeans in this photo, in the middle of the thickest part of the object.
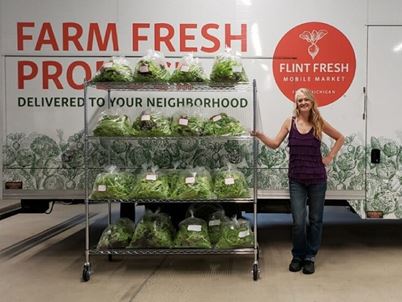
(306, 237)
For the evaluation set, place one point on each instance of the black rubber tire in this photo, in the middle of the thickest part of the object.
(86, 274)
(255, 272)
(110, 258)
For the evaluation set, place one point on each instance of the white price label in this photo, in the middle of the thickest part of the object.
(101, 188)
(190, 180)
(229, 181)
(217, 118)
(145, 117)
(144, 69)
(194, 227)
(236, 69)
(244, 234)
(214, 222)
(151, 177)
(183, 121)
(107, 65)
(184, 68)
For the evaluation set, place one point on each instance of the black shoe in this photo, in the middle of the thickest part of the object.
(296, 265)
(308, 267)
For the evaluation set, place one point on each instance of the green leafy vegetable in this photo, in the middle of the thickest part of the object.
(148, 124)
(231, 184)
(184, 125)
(117, 70)
(215, 223)
(188, 70)
(155, 230)
(228, 68)
(151, 68)
(235, 234)
(203, 210)
(113, 185)
(151, 185)
(193, 233)
(117, 235)
(193, 184)
(222, 124)
(114, 125)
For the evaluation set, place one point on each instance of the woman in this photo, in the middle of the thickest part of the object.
(307, 175)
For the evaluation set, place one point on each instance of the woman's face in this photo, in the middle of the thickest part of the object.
(303, 103)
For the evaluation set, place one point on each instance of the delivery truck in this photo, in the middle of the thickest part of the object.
(348, 53)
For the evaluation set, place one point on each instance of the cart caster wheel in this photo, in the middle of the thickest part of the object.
(86, 274)
(109, 257)
(256, 272)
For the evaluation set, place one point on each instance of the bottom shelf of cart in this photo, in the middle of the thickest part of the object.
(174, 251)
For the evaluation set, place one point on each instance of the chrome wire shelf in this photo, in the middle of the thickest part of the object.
(167, 138)
(173, 251)
(176, 87)
(169, 87)
(145, 201)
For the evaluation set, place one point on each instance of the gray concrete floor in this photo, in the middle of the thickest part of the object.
(41, 258)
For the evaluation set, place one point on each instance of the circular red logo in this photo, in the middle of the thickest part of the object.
(317, 56)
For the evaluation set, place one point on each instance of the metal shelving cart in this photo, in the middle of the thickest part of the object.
(249, 88)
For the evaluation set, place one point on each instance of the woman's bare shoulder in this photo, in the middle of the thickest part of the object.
(287, 124)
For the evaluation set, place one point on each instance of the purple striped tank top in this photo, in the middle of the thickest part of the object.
(305, 160)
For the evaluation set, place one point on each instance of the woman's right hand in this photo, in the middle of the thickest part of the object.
(255, 133)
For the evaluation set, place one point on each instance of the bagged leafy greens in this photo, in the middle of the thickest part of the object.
(151, 185)
(193, 184)
(152, 124)
(189, 69)
(230, 183)
(151, 68)
(223, 125)
(116, 70)
(113, 184)
(117, 235)
(193, 233)
(203, 210)
(215, 222)
(228, 68)
(114, 125)
(186, 125)
(235, 234)
(154, 230)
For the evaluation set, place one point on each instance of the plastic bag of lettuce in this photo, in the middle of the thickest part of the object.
(193, 233)
(215, 223)
(152, 184)
(187, 125)
(154, 230)
(117, 235)
(152, 124)
(116, 70)
(223, 125)
(230, 183)
(189, 69)
(193, 183)
(112, 125)
(151, 68)
(203, 210)
(235, 233)
(227, 68)
(113, 184)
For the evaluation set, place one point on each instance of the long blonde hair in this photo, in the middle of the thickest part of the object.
(314, 117)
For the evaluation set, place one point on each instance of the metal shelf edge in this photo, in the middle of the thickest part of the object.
(173, 251)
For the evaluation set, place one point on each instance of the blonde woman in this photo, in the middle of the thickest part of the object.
(307, 175)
